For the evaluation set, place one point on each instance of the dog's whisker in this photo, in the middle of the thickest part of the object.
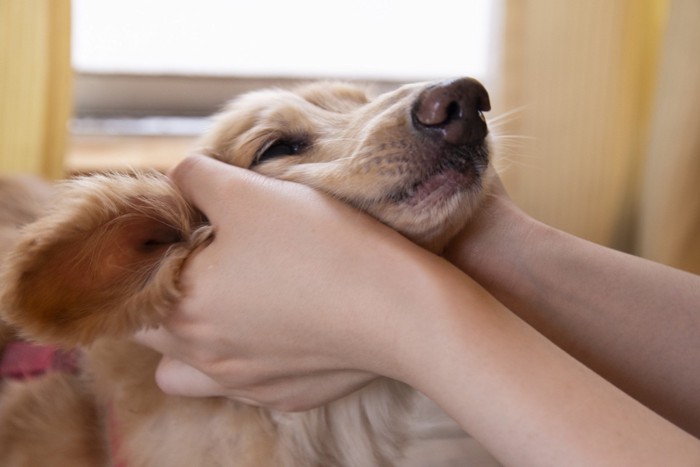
(507, 116)
(515, 161)
(505, 137)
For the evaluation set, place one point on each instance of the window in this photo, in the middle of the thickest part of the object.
(173, 44)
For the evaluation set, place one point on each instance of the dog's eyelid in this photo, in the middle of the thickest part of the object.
(281, 147)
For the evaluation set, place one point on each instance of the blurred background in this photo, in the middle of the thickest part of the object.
(596, 102)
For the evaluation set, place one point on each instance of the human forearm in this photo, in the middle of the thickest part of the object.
(633, 321)
(524, 398)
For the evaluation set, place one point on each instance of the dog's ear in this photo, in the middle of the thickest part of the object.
(104, 261)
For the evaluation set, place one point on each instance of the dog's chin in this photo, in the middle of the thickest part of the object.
(436, 190)
(433, 211)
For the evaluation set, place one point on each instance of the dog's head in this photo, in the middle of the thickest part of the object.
(415, 158)
(105, 261)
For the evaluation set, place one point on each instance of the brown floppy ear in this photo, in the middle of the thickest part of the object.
(104, 261)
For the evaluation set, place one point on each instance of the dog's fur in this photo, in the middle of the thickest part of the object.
(105, 262)
(22, 201)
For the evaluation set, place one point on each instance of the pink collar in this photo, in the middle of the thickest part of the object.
(23, 360)
(114, 440)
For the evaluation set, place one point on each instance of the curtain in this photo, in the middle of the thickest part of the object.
(607, 125)
(608, 99)
(35, 86)
(582, 75)
(669, 222)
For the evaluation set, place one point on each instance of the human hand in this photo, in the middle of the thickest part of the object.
(294, 302)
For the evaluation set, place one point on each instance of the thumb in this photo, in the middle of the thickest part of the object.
(203, 180)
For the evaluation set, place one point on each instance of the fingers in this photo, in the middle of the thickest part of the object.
(179, 379)
(208, 183)
(174, 376)
(287, 393)
(301, 393)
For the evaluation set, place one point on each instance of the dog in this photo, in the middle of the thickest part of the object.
(105, 261)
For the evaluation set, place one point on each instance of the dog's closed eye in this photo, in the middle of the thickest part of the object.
(281, 148)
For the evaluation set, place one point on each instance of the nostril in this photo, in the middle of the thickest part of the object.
(454, 111)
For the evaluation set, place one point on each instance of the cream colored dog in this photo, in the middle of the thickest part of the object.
(105, 262)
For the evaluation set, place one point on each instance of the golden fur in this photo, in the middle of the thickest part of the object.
(22, 200)
(105, 262)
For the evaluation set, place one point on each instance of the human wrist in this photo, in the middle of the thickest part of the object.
(495, 242)
(439, 301)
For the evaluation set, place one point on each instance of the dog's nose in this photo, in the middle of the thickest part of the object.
(452, 111)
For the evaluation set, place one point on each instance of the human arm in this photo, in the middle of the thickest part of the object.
(300, 299)
(635, 322)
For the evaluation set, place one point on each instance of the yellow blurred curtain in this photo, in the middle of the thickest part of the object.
(670, 201)
(609, 97)
(35, 86)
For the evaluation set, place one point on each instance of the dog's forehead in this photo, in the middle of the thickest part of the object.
(333, 97)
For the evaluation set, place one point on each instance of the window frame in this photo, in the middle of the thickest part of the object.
(104, 95)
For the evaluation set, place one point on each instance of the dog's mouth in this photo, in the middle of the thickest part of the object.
(458, 170)
(447, 120)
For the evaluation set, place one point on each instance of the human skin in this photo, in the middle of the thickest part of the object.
(300, 299)
(633, 321)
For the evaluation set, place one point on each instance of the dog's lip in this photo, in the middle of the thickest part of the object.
(441, 184)
(454, 173)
